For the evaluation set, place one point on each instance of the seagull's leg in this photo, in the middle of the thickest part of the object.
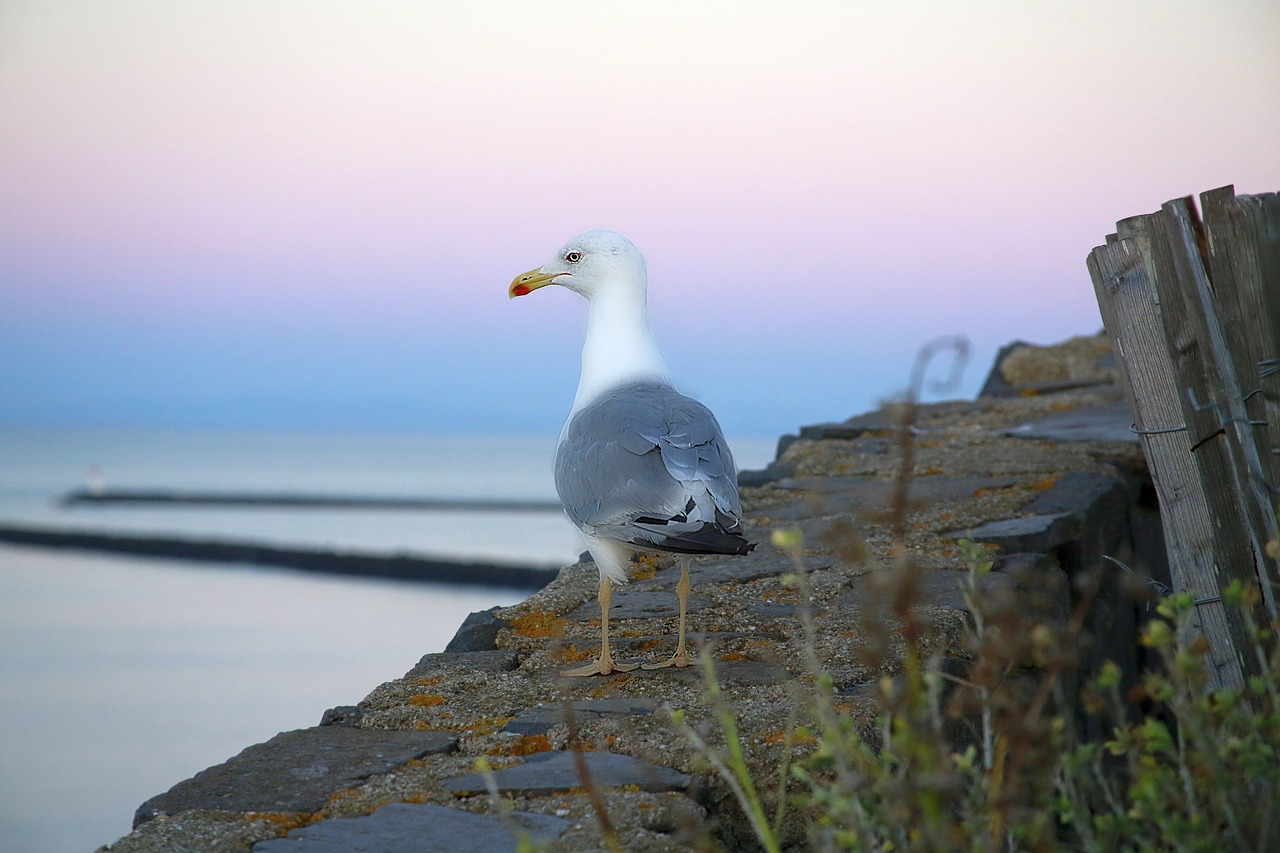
(604, 664)
(680, 658)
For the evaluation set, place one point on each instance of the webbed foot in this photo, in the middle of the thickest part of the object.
(601, 666)
(678, 660)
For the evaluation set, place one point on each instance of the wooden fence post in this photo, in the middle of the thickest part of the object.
(1233, 473)
(1193, 312)
(1236, 270)
(1126, 296)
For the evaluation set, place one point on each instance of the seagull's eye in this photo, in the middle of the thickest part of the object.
(573, 257)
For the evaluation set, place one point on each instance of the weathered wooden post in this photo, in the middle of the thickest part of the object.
(1193, 313)
(1127, 299)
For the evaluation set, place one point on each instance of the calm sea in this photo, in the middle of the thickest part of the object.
(121, 676)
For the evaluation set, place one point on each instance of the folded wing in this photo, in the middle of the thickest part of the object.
(646, 465)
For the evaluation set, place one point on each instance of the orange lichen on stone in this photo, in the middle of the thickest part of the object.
(643, 568)
(538, 623)
(426, 682)
(485, 725)
(426, 700)
(1045, 484)
(732, 656)
(571, 652)
(610, 686)
(281, 822)
(526, 745)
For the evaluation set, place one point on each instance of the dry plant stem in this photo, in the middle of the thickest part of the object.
(901, 483)
(594, 795)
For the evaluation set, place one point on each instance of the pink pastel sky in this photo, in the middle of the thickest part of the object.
(306, 214)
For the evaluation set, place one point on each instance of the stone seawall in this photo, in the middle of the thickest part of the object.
(1043, 470)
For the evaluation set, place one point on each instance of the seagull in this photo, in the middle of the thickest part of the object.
(639, 466)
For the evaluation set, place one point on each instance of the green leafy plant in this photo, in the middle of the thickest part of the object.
(1192, 772)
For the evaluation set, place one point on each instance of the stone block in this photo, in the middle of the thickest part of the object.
(419, 828)
(498, 660)
(555, 772)
(296, 771)
(543, 718)
(478, 632)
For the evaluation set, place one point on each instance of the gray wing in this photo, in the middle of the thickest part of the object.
(645, 464)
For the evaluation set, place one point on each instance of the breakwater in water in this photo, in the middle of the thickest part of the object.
(174, 498)
(405, 567)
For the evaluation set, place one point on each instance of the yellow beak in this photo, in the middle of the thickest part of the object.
(528, 282)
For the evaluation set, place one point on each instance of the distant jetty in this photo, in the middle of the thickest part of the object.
(403, 567)
(163, 497)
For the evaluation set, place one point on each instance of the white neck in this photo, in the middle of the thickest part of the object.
(619, 346)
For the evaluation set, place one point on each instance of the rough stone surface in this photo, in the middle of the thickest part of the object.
(634, 601)
(343, 715)
(296, 771)
(1086, 495)
(936, 588)
(477, 632)
(550, 772)
(768, 474)
(1022, 368)
(1110, 422)
(419, 828)
(1030, 533)
(496, 660)
(543, 718)
(765, 562)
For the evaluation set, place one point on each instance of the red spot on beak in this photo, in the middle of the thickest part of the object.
(520, 290)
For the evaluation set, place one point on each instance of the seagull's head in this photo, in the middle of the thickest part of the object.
(590, 263)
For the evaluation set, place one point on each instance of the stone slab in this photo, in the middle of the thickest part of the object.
(1089, 496)
(296, 771)
(555, 772)
(1111, 422)
(636, 602)
(727, 672)
(841, 495)
(477, 633)
(765, 562)
(762, 477)
(543, 718)
(1029, 533)
(498, 660)
(937, 588)
(343, 715)
(419, 828)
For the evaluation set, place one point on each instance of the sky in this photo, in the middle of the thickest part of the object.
(222, 213)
